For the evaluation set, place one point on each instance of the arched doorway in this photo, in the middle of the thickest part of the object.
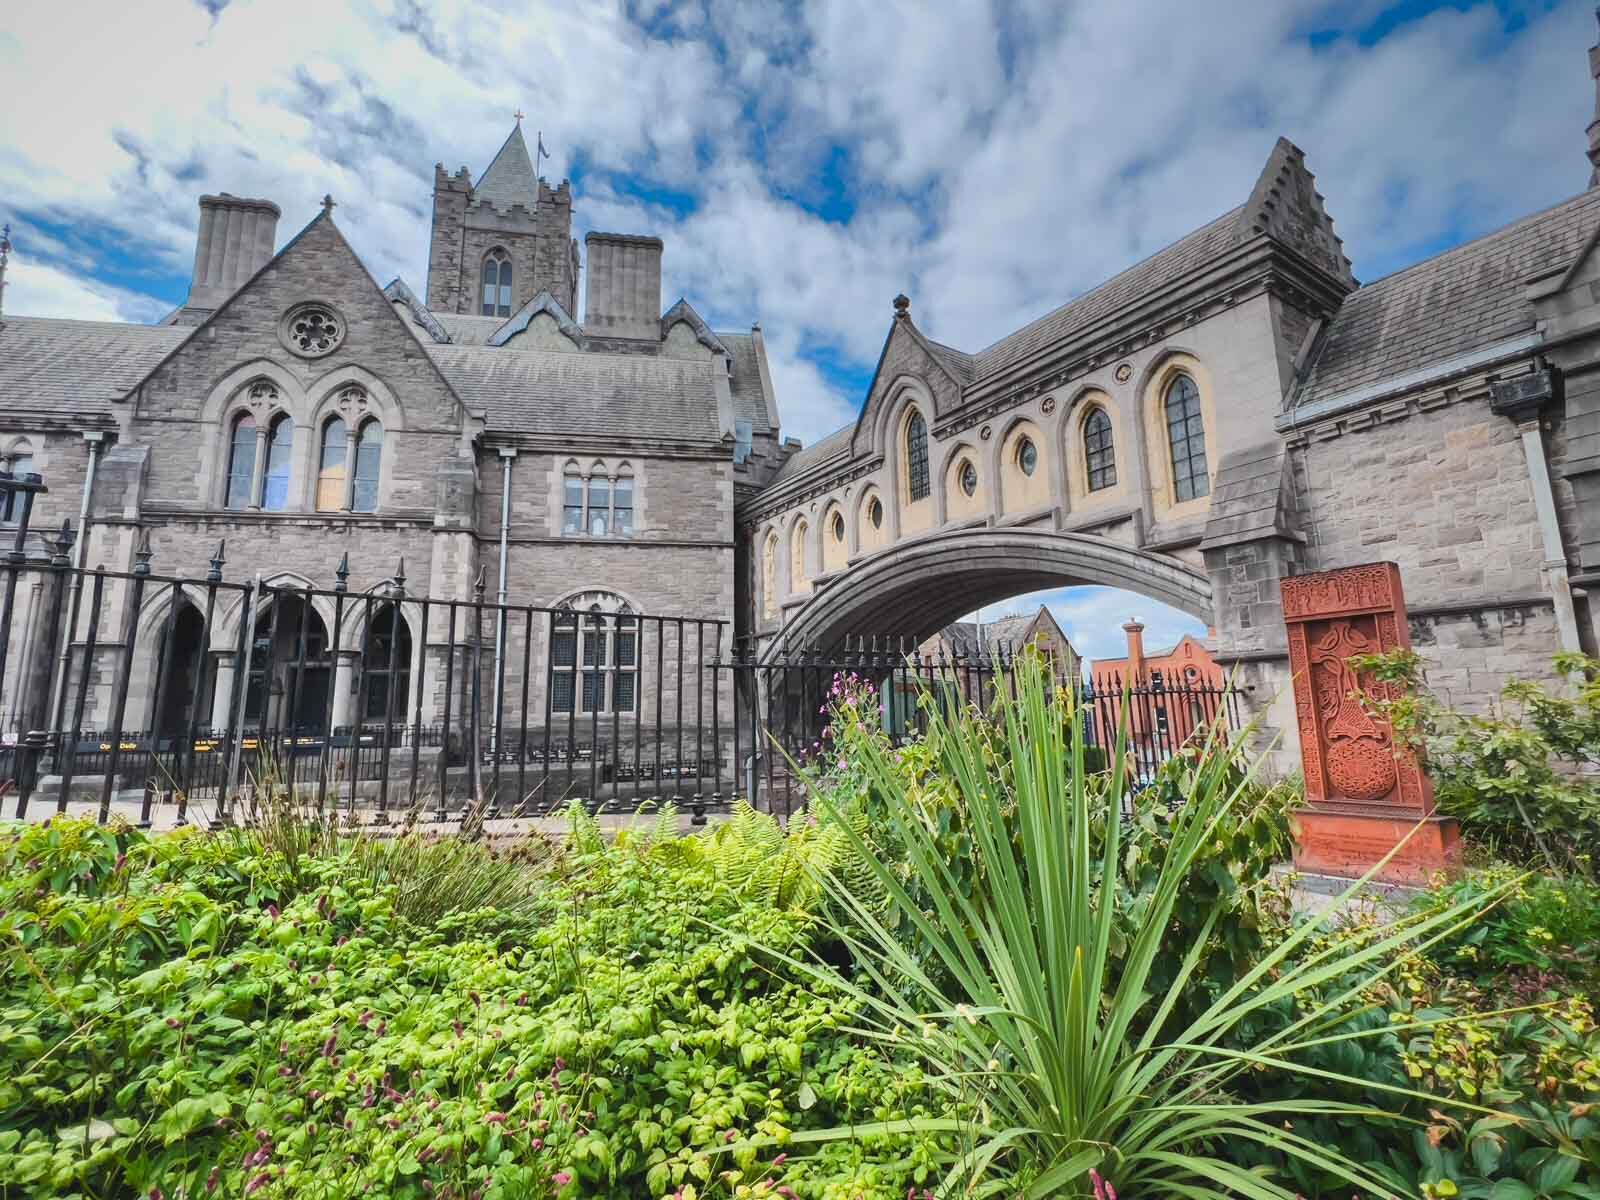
(291, 671)
(183, 679)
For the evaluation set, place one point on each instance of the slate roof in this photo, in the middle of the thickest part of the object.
(1446, 306)
(1002, 631)
(622, 395)
(749, 403)
(467, 330)
(1159, 270)
(77, 366)
(957, 362)
(510, 178)
(835, 445)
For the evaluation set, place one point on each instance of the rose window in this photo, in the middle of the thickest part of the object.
(313, 330)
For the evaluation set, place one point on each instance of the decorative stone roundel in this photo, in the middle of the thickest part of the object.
(986, 433)
(1124, 372)
(1047, 405)
(312, 330)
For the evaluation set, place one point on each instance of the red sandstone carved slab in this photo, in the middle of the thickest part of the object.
(1363, 793)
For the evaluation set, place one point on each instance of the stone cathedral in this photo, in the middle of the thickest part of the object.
(1231, 411)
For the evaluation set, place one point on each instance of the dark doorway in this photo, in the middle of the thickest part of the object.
(388, 640)
(185, 695)
(291, 671)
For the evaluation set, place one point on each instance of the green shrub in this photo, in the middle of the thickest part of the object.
(1548, 925)
(169, 1027)
(1518, 778)
(1062, 1067)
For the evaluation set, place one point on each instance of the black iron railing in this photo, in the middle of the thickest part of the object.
(125, 692)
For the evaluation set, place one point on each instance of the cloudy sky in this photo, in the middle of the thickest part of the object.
(803, 161)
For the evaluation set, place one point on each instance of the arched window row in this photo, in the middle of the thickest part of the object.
(260, 452)
(594, 656)
(599, 503)
(349, 468)
(496, 284)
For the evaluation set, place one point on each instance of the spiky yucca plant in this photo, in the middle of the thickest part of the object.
(1059, 1064)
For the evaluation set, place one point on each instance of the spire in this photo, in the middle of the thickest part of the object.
(1594, 125)
(510, 178)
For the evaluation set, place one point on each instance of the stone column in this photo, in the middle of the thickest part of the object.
(344, 671)
(222, 691)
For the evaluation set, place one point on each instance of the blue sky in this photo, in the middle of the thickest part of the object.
(803, 161)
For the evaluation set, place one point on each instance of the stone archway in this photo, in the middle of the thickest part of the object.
(915, 588)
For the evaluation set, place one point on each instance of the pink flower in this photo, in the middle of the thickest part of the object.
(272, 911)
(495, 1118)
(157, 1194)
(780, 1160)
(561, 1179)
(256, 1184)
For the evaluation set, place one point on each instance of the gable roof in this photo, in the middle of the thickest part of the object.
(1463, 300)
(684, 311)
(510, 178)
(466, 329)
(749, 398)
(1010, 632)
(289, 247)
(519, 321)
(78, 366)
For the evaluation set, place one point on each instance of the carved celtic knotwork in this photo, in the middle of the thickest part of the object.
(1349, 754)
(1360, 754)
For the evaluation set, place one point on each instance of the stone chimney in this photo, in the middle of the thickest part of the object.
(1594, 125)
(624, 296)
(1135, 632)
(235, 241)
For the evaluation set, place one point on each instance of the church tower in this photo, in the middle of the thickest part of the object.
(500, 242)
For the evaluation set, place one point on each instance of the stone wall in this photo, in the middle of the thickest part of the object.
(1445, 493)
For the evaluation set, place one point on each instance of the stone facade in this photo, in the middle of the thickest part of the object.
(656, 419)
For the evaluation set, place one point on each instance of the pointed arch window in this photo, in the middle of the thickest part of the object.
(769, 576)
(1186, 438)
(331, 480)
(369, 464)
(1098, 452)
(797, 556)
(496, 284)
(275, 478)
(916, 457)
(242, 462)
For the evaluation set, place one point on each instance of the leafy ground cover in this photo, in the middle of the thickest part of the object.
(982, 966)
(193, 1016)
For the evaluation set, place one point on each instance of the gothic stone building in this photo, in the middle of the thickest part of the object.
(1233, 410)
(301, 414)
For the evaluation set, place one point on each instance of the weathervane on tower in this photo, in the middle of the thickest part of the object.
(5, 255)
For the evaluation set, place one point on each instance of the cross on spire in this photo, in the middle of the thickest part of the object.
(519, 114)
(327, 203)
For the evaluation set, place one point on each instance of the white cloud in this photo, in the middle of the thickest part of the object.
(39, 290)
(998, 157)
